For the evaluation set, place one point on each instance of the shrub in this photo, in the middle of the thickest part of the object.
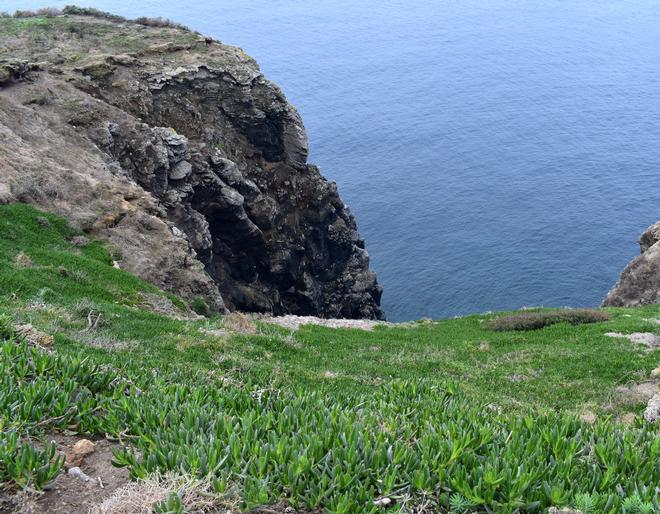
(200, 306)
(160, 23)
(90, 11)
(46, 11)
(536, 320)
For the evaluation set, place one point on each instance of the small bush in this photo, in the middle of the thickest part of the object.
(159, 22)
(536, 320)
(200, 306)
(178, 302)
(46, 11)
(90, 11)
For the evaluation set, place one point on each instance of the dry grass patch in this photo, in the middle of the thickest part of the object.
(239, 322)
(141, 497)
(23, 260)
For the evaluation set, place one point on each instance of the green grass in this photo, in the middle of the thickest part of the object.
(449, 412)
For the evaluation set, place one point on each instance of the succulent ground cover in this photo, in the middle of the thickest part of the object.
(444, 416)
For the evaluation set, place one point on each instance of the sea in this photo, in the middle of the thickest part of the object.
(497, 154)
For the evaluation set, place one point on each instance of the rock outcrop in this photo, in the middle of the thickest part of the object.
(639, 283)
(175, 148)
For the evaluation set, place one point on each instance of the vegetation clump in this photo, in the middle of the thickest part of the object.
(159, 23)
(535, 320)
(73, 10)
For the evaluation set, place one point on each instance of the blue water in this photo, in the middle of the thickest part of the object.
(497, 154)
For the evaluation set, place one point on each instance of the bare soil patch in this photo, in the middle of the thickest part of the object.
(71, 495)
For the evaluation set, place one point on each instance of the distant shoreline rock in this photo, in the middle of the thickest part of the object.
(639, 283)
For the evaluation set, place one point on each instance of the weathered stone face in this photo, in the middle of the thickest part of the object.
(639, 283)
(194, 123)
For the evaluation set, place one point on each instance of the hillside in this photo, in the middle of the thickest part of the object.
(432, 416)
(165, 250)
(175, 148)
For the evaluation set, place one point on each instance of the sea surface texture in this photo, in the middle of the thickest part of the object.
(496, 154)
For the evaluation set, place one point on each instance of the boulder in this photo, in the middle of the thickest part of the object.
(639, 283)
(652, 412)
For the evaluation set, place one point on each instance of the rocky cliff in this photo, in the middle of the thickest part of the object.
(639, 283)
(176, 149)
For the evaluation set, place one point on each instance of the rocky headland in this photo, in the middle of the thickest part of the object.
(174, 148)
(639, 283)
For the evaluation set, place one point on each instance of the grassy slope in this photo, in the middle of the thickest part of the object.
(323, 374)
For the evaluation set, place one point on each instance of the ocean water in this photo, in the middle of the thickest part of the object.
(496, 154)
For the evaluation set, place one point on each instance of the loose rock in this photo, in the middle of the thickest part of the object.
(652, 412)
(78, 473)
(34, 336)
(648, 339)
(78, 453)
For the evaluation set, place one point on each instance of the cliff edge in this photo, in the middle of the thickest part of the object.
(176, 149)
(639, 283)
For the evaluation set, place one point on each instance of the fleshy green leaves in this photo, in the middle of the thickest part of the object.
(412, 443)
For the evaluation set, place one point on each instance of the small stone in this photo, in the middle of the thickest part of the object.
(84, 447)
(656, 372)
(78, 453)
(181, 170)
(555, 510)
(76, 472)
(652, 412)
(33, 336)
(177, 232)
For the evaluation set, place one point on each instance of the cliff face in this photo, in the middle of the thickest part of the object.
(177, 149)
(639, 283)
